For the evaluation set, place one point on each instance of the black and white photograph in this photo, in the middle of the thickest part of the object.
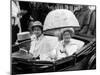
(52, 37)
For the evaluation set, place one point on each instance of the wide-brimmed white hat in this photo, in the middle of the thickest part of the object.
(60, 18)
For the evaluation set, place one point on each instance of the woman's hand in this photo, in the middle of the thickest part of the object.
(64, 51)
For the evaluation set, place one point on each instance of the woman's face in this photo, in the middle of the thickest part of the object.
(37, 31)
(66, 36)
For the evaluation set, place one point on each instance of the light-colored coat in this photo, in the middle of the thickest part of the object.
(73, 46)
(40, 47)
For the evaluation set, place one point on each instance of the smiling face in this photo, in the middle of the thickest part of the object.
(37, 31)
(66, 36)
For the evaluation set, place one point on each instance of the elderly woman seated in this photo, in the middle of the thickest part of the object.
(67, 46)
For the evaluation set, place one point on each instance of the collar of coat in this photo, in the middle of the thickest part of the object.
(40, 38)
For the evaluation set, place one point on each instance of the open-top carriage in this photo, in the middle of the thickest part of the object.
(80, 60)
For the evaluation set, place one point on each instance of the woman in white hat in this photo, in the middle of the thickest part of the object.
(40, 46)
(67, 46)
